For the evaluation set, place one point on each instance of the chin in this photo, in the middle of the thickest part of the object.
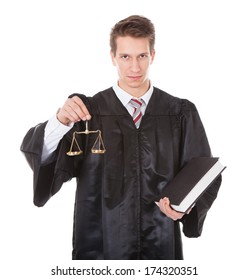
(135, 83)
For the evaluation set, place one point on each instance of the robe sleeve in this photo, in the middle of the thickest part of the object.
(48, 178)
(195, 144)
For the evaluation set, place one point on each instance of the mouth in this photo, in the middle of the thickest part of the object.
(134, 78)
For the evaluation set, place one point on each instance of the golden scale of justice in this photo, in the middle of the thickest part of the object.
(97, 148)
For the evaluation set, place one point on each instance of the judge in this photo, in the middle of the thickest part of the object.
(148, 134)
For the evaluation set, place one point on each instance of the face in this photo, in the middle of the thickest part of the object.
(133, 58)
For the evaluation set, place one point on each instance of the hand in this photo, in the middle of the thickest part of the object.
(73, 110)
(164, 205)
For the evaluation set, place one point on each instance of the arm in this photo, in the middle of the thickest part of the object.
(195, 144)
(48, 178)
(54, 132)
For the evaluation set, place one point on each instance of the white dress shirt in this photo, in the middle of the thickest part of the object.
(125, 97)
(55, 130)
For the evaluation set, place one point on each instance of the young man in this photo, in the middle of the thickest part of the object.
(148, 140)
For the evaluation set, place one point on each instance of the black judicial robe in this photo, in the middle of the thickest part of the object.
(115, 214)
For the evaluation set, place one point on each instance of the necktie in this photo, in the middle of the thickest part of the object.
(137, 115)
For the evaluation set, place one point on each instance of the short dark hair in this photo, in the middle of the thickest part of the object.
(134, 26)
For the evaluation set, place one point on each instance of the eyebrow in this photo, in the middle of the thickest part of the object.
(121, 54)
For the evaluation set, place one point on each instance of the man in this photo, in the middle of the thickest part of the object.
(115, 214)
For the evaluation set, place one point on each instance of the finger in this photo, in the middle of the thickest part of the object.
(189, 210)
(73, 110)
(80, 108)
(164, 207)
(69, 111)
(168, 211)
(175, 215)
(65, 116)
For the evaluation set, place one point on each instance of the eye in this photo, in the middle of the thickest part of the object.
(125, 57)
(143, 56)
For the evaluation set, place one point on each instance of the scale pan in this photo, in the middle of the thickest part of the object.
(97, 151)
(76, 153)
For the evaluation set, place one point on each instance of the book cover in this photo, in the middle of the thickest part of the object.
(191, 182)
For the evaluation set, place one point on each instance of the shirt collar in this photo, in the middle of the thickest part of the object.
(125, 97)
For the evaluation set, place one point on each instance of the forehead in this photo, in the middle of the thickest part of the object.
(131, 45)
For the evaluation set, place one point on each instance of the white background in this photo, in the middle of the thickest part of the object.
(50, 49)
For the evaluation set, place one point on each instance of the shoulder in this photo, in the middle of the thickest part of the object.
(174, 104)
(101, 94)
(95, 97)
(83, 97)
(104, 94)
(100, 102)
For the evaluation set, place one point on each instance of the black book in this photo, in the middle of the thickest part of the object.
(191, 182)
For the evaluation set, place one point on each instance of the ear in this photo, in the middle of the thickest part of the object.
(152, 55)
(113, 58)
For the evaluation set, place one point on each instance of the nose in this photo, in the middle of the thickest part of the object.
(135, 66)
